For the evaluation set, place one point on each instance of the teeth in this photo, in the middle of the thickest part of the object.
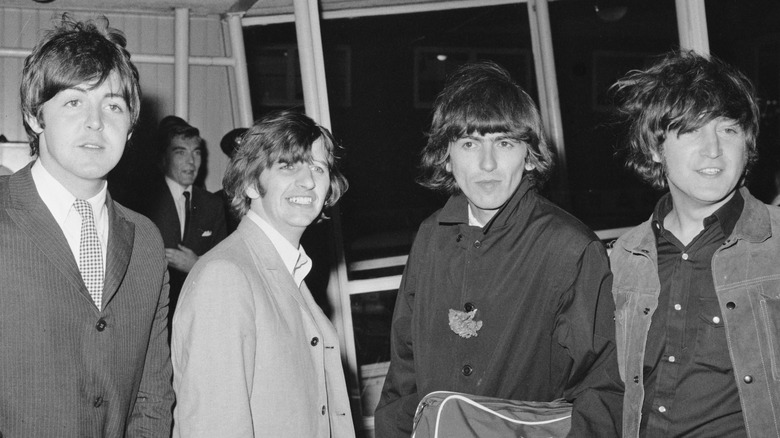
(710, 171)
(305, 200)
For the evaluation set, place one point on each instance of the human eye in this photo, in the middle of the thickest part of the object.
(116, 107)
(507, 143)
(466, 143)
(72, 103)
(286, 166)
(317, 168)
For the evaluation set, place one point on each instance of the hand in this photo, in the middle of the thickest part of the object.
(182, 259)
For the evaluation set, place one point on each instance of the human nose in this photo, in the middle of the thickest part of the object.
(306, 178)
(711, 146)
(487, 158)
(95, 119)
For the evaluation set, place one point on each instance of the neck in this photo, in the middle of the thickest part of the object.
(687, 221)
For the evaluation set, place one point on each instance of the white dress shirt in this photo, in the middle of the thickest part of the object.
(177, 191)
(296, 261)
(60, 201)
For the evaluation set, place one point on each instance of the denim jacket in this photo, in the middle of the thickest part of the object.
(746, 274)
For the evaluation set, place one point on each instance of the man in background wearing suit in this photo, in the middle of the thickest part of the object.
(191, 220)
(253, 353)
(83, 284)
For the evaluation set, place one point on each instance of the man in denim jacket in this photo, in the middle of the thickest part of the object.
(697, 287)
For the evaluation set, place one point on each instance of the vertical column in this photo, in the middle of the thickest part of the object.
(238, 53)
(181, 63)
(546, 80)
(692, 26)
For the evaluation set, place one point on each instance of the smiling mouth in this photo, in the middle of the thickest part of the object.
(301, 200)
(710, 171)
(91, 146)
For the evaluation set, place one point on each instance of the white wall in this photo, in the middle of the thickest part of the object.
(212, 103)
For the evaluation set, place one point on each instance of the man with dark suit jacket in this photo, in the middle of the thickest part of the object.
(191, 220)
(83, 284)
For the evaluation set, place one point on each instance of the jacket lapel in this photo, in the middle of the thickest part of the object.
(267, 259)
(37, 223)
(121, 234)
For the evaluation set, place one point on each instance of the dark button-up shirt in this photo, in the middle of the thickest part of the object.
(539, 284)
(689, 383)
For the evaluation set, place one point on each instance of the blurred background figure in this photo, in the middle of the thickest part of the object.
(191, 220)
(229, 145)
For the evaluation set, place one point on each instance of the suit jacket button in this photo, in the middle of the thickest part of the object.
(467, 370)
(314, 341)
(101, 325)
(469, 307)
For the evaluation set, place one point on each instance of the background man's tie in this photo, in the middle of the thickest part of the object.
(186, 214)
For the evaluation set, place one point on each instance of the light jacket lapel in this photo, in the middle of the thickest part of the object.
(121, 234)
(36, 221)
(267, 259)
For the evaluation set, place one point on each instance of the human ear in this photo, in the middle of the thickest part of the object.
(34, 123)
(252, 192)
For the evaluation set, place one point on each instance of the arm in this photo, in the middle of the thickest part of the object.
(151, 416)
(585, 328)
(213, 350)
(395, 412)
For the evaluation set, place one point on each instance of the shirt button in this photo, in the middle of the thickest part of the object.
(98, 402)
(661, 409)
(748, 379)
(323, 409)
(477, 244)
(672, 359)
(101, 325)
(715, 319)
(314, 341)
(685, 256)
(469, 307)
(467, 370)
(677, 307)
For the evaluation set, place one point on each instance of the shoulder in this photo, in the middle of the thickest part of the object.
(205, 196)
(144, 226)
(554, 223)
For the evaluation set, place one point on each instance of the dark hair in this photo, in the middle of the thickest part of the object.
(482, 97)
(230, 141)
(682, 92)
(171, 127)
(285, 136)
(74, 53)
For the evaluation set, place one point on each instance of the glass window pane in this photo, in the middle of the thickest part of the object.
(592, 50)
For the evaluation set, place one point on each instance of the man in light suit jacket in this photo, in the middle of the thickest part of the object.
(186, 235)
(83, 283)
(253, 354)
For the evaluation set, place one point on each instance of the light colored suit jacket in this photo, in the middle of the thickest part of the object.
(68, 369)
(253, 354)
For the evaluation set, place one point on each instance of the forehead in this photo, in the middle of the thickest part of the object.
(187, 143)
(488, 136)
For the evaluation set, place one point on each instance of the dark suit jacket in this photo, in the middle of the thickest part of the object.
(68, 369)
(207, 226)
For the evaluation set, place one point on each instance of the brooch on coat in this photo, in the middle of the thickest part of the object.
(463, 323)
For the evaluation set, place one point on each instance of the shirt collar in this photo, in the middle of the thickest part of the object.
(60, 200)
(176, 188)
(727, 215)
(455, 210)
(295, 259)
